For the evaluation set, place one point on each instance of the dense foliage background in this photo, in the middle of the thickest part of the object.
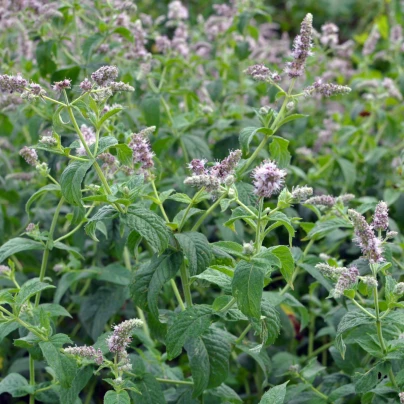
(94, 236)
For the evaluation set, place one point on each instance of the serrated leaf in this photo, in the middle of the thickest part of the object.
(109, 114)
(150, 390)
(275, 395)
(182, 198)
(287, 262)
(65, 368)
(247, 134)
(321, 229)
(279, 151)
(98, 308)
(216, 277)
(31, 288)
(150, 278)
(291, 118)
(104, 144)
(351, 320)
(14, 384)
(197, 147)
(104, 213)
(247, 285)
(7, 328)
(197, 249)
(124, 154)
(191, 323)
(150, 226)
(39, 193)
(18, 244)
(70, 395)
(113, 397)
(209, 359)
(71, 179)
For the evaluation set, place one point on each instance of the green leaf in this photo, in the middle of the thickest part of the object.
(113, 397)
(150, 390)
(31, 288)
(288, 264)
(150, 278)
(216, 277)
(71, 179)
(247, 285)
(269, 325)
(182, 198)
(230, 247)
(65, 368)
(44, 57)
(70, 395)
(351, 320)
(197, 147)
(279, 151)
(209, 359)
(105, 213)
(104, 144)
(349, 171)
(67, 280)
(90, 44)
(291, 118)
(197, 249)
(151, 110)
(275, 395)
(247, 134)
(55, 310)
(191, 323)
(321, 229)
(14, 384)
(39, 193)
(150, 226)
(124, 154)
(7, 328)
(18, 244)
(97, 309)
(108, 115)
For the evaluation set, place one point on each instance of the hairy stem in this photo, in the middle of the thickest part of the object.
(202, 218)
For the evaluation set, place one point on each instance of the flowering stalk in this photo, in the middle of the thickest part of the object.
(84, 143)
(273, 127)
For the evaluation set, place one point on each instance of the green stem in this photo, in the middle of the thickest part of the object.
(31, 378)
(272, 127)
(88, 151)
(380, 332)
(243, 334)
(184, 218)
(258, 230)
(202, 218)
(177, 294)
(246, 208)
(160, 203)
(319, 350)
(228, 305)
(126, 258)
(77, 227)
(362, 308)
(319, 393)
(169, 381)
(48, 247)
(185, 284)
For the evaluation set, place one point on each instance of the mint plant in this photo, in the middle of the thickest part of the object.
(187, 217)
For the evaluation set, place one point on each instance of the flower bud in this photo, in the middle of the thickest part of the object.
(399, 289)
(248, 248)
